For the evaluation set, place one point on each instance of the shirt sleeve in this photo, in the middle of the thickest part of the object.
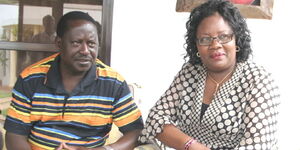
(164, 111)
(18, 116)
(126, 114)
(261, 113)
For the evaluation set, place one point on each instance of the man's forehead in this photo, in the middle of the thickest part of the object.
(79, 22)
(71, 24)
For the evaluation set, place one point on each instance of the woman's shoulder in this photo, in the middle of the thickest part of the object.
(188, 67)
(255, 71)
(189, 70)
(254, 68)
(260, 79)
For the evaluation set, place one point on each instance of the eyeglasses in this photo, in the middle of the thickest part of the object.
(222, 39)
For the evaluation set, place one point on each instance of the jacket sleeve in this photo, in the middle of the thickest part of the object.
(165, 110)
(261, 114)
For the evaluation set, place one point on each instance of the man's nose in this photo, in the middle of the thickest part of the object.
(84, 49)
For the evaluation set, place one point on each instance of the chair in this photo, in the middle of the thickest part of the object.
(115, 134)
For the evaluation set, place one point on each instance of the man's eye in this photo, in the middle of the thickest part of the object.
(92, 44)
(75, 43)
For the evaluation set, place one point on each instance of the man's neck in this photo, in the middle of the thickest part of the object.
(70, 80)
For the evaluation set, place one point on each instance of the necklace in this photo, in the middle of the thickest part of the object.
(218, 83)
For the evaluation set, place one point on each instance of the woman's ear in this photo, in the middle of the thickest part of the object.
(58, 42)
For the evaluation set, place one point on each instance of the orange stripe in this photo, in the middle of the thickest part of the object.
(14, 114)
(128, 119)
(89, 120)
(123, 106)
(36, 68)
(43, 61)
(98, 61)
(30, 71)
(21, 103)
(61, 104)
(47, 103)
(110, 73)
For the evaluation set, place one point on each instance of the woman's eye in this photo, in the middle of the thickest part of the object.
(205, 39)
(222, 37)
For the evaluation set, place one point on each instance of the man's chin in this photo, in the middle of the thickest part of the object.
(83, 68)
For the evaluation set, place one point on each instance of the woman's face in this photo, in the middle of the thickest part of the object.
(214, 55)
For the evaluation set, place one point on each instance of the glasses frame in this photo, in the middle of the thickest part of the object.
(215, 38)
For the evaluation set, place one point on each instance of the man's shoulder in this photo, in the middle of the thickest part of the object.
(38, 68)
(105, 71)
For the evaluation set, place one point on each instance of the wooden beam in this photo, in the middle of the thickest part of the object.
(22, 46)
(262, 11)
(106, 36)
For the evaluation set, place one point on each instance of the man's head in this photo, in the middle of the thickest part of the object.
(49, 24)
(62, 25)
(77, 39)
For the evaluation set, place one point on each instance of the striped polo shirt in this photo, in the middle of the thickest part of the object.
(42, 110)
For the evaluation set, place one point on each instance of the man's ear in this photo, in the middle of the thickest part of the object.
(58, 42)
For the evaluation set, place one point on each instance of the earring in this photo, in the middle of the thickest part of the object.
(197, 54)
(237, 49)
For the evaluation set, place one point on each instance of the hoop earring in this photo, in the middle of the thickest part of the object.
(237, 49)
(197, 54)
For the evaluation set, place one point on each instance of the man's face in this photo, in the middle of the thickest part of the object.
(49, 25)
(79, 46)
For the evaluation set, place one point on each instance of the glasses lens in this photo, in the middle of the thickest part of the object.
(222, 39)
(204, 40)
(225, 38)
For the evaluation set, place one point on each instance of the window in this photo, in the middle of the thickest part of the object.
(27, 32)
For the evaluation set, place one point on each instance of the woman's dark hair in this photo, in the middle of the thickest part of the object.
(62, 25)
(231, 15)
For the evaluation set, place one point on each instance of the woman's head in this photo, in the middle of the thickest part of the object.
(230, 15)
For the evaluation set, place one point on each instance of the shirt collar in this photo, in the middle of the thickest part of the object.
(54, 80)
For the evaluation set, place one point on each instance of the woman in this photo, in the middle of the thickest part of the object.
(219, 99)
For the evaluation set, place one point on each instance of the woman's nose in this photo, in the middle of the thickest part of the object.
(215, 44)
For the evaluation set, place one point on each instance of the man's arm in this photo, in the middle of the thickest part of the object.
(128, 141)
(16, 142)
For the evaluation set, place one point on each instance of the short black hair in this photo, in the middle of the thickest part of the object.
(48, 17)
(231, 15)
(62, 25)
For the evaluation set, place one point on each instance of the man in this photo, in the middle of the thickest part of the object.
(48, 36)
(45, 37)
(70, 100)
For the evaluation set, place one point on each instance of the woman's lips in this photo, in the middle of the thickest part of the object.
(217, 55)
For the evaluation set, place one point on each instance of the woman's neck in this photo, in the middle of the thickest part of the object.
(221, 76)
